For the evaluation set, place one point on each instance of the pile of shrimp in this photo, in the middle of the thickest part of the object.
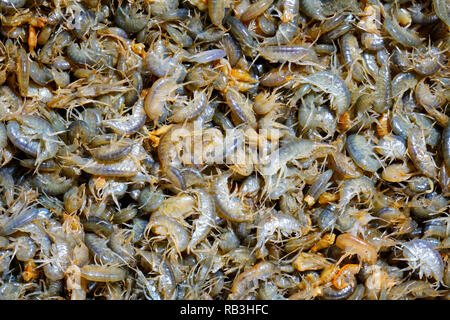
(323, 170)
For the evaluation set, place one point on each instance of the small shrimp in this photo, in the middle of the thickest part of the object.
(233, 50)
(355, 187)
(313, 9)
(216, 10)
(403, 82)
(396, 173)
(330, 293)
(120, 242)
(345, 276)
(231, 207)
(256, 9)
(312, 117)
(361, 151)
(52, 184)
(129, 124)
(98, 247)
(290, 10)
(408, 38)
(23, 71)
(281, 222)
(428, 61)
(430, 102)
(383, 93)
(285, 32)
(112, 152)
(318, 187)
(24, 248)
(40, 75)
(372, 41)
(420, 255)
(354, 245)
(240, 107)
(207, 56)
(266, 26)
(128, 20)
(242, 35)
(296, 149)
(352, 57)
(98, 225)
(422, 159)
(206, 221)
(19, 220)
(275, 77)
(344, 166)
(333, 85)
(292, 54)
(170, 158)
(169, 227)
(192, 108)
(97, 273)
(242, 282)
(124, 168)
(159, 93)
(310, 261)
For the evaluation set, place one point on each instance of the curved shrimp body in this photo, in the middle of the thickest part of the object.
(124, 168)
(241, 283)
(352, 56)
(81, 54)
(355, 187)
(331, 293)
(20, 141)
(240, 107)
(112, 152)
(206, 221)
(297, 149)
(193, 109)
(362, 153)
(231, 207)
(431, 102)
(127, 21)
(98, 247)
(279, 221)
(354, 245)
(333, 85)
(422, 159)
(170, 158)
(19, 220)
(32, 128)
(408, 38)
(421, 255)
(313, 9)
(418, 17)
(129, 124)
(169, 227)
(312, 117)
(157, 96)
